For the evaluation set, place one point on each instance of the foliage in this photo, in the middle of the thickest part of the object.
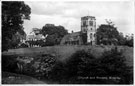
(125, 41)
(129, 42)
(107, 34)
(14, 42)
(114, 64)
(54, 34)
(84, 64)
(79, 59)
(121, 39)
(9, 63)
(51, 40)
(13, 15)
(59, 72)
(37, 67)
(46, 64)
(64, 72)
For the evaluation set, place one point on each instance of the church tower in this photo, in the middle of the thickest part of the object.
(88, 27)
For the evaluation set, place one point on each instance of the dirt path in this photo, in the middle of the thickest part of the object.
(12, 78)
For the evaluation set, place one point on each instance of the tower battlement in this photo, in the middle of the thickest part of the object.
(87, 17)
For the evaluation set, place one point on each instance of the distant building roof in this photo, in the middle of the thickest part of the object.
(74, 33)
(38, 37)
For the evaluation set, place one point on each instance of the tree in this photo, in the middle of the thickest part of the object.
(107, 34)
(55, 34)
(13, 15)
(129, 40)
(114, 63)
(121, 39)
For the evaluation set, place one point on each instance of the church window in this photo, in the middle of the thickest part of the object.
(84, 29)
(90, 35)
(91, 28)
(84, 23)
(91, 23)
(94, 35)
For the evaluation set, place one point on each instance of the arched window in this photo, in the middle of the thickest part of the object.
(91, 28)
(90, 35)
(84, 23)
(94, 35)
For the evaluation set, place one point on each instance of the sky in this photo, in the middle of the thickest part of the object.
(69, 13)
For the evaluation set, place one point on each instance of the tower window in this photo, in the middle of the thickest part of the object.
(90, 35)
(94, 35)
(84, 23)
(91, 28)
(91, 23)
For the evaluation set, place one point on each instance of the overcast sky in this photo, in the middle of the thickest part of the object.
(68, 14)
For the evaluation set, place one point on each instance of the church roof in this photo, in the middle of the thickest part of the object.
(71, 37)
(73, 34)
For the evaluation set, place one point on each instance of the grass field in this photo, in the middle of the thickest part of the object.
(64, 52)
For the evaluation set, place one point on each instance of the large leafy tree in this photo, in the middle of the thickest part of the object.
(13, 15)
(54, 34)
(107, 34)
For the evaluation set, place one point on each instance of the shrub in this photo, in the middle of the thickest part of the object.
(113, 62)
(40, 67)
(9, 63)
(78, 61)
(46, 64)
(69, 71)
(37, 67)
(59, 72)
(110, 64)
(84, 64)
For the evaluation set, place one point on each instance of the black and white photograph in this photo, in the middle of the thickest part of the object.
(67, 42)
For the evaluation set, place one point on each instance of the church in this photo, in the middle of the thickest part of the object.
(87, 35)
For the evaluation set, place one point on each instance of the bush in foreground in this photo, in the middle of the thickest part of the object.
(36, 67)
(9, 63)
(84, 68)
